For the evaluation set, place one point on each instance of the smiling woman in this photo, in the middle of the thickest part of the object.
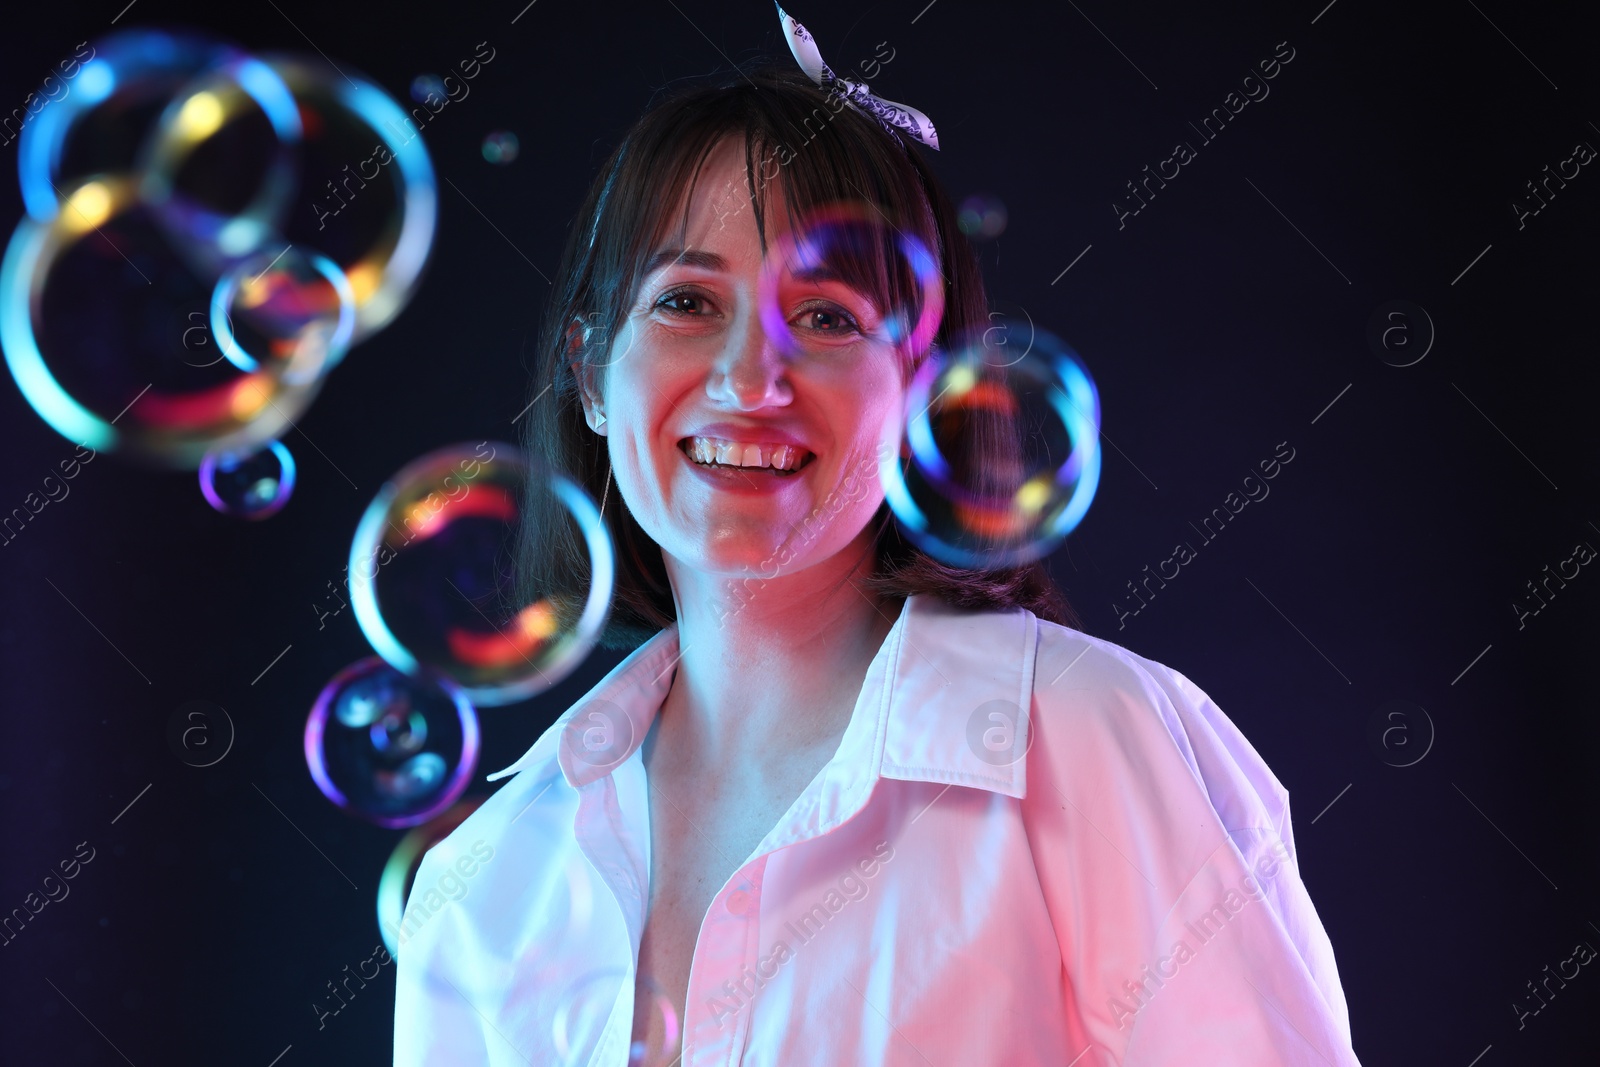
(731, 344)
(720, 141)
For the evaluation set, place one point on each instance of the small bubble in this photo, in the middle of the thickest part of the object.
(390, 748)
(252, 486)
(425, 85)
(501, 146)
(982, 217)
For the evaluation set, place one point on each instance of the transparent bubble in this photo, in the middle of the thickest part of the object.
(368, 198)
(664, 1015)
(431, 573)
(500, 146)
(1004, 436)
(116, 91)
(424, 86)
(982, 217)
(587, 1004)
(285, 306)
(819, 281)
(98, 317)
(221, 163)
(394, 885)
(250, 486)
(391, 748)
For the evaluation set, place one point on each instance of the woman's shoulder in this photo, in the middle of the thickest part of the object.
(1091, 694)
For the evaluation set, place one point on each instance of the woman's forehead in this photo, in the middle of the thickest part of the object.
(716, 204)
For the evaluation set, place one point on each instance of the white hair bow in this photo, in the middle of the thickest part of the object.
(892, 115)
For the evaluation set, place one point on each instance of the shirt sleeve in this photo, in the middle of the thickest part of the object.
(1166, 859)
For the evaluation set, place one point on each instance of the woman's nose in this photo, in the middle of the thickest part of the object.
(749, 373)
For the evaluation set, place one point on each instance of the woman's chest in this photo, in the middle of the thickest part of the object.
(697, 842)
(925, 898)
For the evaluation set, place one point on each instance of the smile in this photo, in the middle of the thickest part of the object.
(779, 460)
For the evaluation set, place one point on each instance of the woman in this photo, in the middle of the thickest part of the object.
(842, 804)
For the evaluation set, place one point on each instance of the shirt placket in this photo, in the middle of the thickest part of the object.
(723, 976)
(597, 830)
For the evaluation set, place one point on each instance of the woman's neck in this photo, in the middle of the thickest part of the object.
(771, 665)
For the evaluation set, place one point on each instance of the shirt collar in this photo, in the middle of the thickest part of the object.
(942, 684)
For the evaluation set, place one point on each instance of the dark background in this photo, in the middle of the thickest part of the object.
(1415, 510)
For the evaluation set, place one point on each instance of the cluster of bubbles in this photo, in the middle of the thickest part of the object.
(393, 739)
(175, 293)
(1001, 422)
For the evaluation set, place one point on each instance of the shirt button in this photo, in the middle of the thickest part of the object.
(738, 901)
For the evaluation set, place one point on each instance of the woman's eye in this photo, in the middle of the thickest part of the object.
(684, 302)
(827, 319)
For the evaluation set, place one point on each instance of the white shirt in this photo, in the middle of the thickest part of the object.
(1123, 891)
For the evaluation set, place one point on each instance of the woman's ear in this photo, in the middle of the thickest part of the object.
(594, 412)
(577, 336)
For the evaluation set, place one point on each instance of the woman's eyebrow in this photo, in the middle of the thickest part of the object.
(691, 257)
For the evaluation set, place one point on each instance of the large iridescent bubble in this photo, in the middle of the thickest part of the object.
(392, 748)
(126, 377)
(818, 279)
(431, 573)
(1004, 435)
(112, 99)
(368, 198)
(220, 164)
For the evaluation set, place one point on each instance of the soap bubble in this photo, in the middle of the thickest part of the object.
(368, 201)
(431, 576)
(221, 164)
(1018, 401)
(112, 99)
(394, 885)
(250, 486)
(835, 258)
(288, 306)
(500, 147)
(982, 217)
(391, 748)
(125, 378)
(586, 1005)
(424, 86)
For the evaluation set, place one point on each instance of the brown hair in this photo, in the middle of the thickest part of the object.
(827, 152)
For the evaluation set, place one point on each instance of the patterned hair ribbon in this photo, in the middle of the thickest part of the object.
(893, 116)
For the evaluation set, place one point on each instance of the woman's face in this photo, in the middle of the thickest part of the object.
(700, 406)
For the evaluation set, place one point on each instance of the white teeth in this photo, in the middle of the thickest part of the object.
(736, 454)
